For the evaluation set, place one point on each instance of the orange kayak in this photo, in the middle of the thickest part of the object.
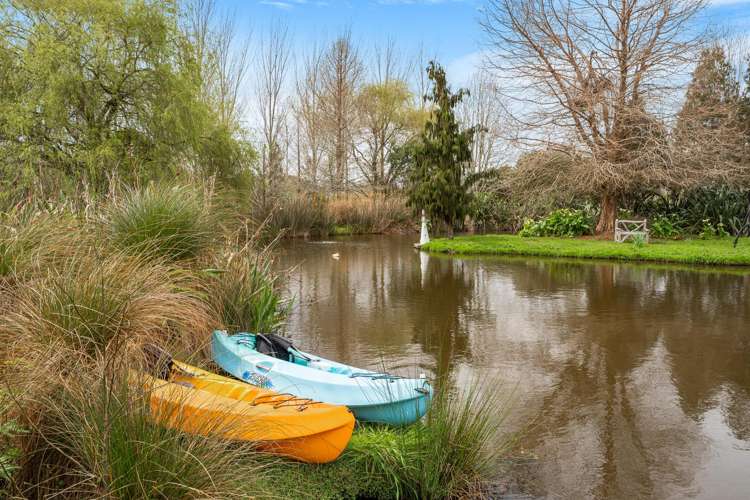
(201, 402)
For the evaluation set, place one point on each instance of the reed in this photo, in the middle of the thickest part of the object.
(244, 291)
(371, 214)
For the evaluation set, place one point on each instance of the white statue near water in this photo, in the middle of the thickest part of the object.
(424, 236)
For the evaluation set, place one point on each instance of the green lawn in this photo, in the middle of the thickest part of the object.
(712, 252)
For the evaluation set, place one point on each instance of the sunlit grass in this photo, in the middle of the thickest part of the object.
(449, 454)
(714, 251)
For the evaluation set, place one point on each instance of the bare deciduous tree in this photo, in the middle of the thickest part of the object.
(341, 75)
(309, 118)
(588, 76)
(223, 56)
(483, 108)
(273, 65)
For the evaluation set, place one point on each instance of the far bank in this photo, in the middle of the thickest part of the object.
(691, 251)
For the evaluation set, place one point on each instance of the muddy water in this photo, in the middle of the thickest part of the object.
(628, 380)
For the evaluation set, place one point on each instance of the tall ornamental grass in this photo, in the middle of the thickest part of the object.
(97, 439)
(93, 301)
(172, 222)
(244, 292)
(31, 241)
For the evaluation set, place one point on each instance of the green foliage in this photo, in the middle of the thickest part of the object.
(664, 227)
(97, 90)
(10, 430)
(639, 240)
(437, 179)
(707, 252)
(686, 209)
(244, 291)
(709, 230)
(169, 222)
(101, 428)
(386, 117)
(563, 222)
(490, 210)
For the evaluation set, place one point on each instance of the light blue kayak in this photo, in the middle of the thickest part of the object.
(372, 396)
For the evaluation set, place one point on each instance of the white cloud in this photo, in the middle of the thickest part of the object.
(286, 4)
(460, 70)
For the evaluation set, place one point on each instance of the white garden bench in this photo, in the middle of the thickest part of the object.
(628, 229)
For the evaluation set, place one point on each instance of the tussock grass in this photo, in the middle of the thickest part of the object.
(93, 301)
(97, 439)
(32, 241)
(173, 222)
(447, 455)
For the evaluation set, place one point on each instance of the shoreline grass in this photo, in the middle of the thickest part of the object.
(701, 252)
(82, 293)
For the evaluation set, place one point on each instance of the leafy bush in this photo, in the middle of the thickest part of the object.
(563, 222)
(169, 222)
(709, 230)
(664, 227)
(10, 429)
(490, 210)
(720, 204)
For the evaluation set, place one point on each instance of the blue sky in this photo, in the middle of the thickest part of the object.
(448, 29)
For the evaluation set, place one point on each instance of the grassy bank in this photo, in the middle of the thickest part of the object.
(708, 252)
(82, 293)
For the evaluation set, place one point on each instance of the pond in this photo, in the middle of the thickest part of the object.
(627, 380)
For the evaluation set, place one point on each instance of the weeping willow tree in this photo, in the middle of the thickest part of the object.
(97, 90)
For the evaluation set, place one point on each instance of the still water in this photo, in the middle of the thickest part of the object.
(628, 380)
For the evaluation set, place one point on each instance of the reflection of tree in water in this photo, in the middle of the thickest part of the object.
(377, 296)
(442, 296)
(624, 360)
(638, 320)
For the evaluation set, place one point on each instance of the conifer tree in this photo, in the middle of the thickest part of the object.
(713, 93)
(438, 181)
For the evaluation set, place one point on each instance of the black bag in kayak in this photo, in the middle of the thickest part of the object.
(273, 345)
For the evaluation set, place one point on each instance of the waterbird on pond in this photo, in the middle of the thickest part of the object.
(336, 256)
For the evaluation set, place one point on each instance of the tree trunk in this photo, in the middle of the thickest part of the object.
(607, 216)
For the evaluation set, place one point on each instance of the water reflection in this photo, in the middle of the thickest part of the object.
(636, 378)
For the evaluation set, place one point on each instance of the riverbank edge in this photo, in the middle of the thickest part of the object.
(700, 252)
